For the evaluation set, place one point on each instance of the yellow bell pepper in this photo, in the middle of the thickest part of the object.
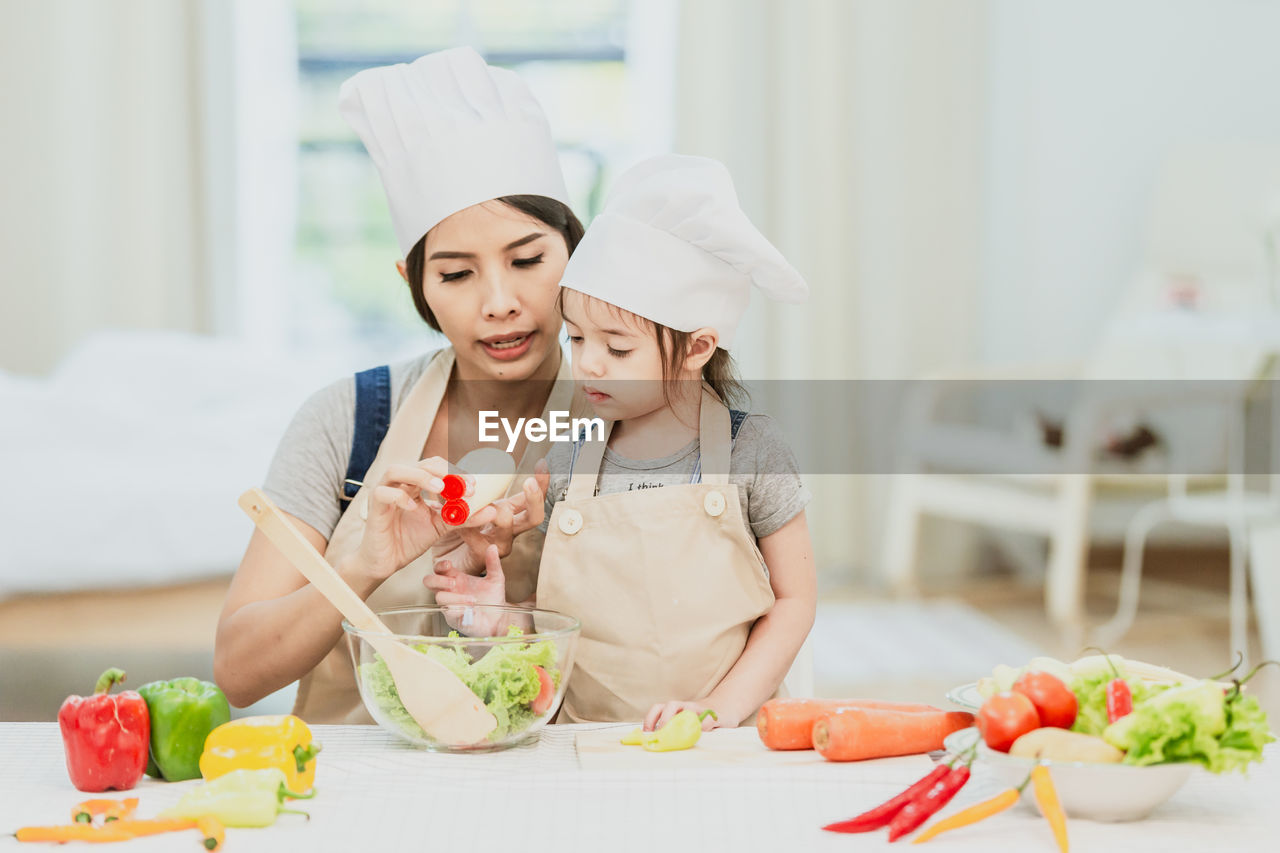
(255, 743)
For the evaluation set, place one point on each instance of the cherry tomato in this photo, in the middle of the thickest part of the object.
(546, 692)
(1004, 718)
(1054, 701)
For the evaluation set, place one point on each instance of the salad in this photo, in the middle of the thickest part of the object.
(1139, 713)
(516, 681)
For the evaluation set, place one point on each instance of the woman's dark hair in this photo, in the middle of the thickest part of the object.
(553, 213)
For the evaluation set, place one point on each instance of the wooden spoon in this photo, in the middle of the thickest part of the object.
(438, 701)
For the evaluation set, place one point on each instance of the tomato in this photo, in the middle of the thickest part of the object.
(546, 692)
(1054, 701)
(1004, 718)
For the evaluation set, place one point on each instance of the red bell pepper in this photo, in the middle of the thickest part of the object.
(105, 737)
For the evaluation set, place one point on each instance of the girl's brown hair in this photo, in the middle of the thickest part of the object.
(552, 213)
(719, 372)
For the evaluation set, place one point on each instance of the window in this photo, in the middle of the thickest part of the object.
(574, 54)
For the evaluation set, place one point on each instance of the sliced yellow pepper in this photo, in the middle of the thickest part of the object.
(255, 743)
(635, 737)
(681, 732)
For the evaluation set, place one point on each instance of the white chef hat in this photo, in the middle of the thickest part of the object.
(448, 131)
(672, 245)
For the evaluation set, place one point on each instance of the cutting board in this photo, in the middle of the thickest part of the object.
(600, 749)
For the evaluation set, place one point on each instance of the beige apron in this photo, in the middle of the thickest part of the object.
(328, 693)
(666, 582)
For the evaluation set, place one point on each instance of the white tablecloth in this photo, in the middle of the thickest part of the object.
(373, 794)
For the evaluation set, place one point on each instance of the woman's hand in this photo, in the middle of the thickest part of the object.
(510, 517)
(401, 526)
(659, 715)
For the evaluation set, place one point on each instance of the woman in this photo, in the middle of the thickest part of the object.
(480, 211)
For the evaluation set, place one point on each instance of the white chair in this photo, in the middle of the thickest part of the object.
(1206, 228)
(1246, 513)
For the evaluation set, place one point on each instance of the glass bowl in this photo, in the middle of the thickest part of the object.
(1103, 792)
(496, 651)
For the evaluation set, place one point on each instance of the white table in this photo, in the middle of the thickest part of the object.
(377, 795)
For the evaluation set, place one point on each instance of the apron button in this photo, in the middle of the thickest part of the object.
(570, 521)
(713, 504)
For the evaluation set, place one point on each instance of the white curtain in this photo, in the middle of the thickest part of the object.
(101, 218)
(149, 155)
(853, 129)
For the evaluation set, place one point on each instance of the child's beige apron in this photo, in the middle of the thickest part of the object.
(328, 693)
(666, 582)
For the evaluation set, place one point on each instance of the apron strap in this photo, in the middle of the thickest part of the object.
(565, 396)
(736, 420)
(714, 439)
(373, 416)
(584, 468)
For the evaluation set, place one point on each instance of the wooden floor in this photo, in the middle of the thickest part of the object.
(53, 646)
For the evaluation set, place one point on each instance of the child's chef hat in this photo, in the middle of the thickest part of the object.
(672, 245)
(448, 131)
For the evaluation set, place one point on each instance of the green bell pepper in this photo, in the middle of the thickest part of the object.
(183, 712)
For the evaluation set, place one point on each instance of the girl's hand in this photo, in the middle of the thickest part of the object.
(659, 715)
(400, 526)
(511, 517)
(455, 588)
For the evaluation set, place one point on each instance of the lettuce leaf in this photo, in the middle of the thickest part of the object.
(1193, 722)
(1247, 733)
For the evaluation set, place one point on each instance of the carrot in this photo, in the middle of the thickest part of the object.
(108, 808)
(788, 723)
(154, 826)
(122, 829)
(854, 734)
(73, 832)
(213, 831)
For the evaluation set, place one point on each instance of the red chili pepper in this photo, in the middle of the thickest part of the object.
(105, 737)
(1119, 699)
(925, 805)
(882, 814)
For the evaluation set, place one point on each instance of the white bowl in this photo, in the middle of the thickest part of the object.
(966, 696)
(1108, 792)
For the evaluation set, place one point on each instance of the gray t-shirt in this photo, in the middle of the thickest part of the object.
(761, 465)
(311, 460)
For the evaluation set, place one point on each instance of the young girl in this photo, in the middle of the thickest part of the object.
(680, 541)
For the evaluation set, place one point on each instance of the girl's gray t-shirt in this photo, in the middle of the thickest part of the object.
(761, 464)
